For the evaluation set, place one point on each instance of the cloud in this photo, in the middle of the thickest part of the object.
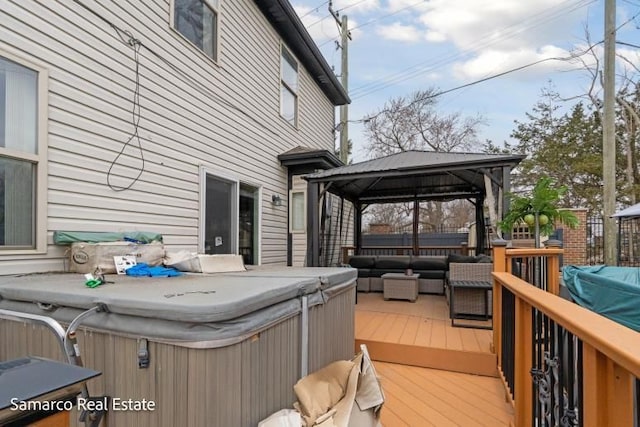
(628, 60)
(491, 62)
(435, 37)
(399, 32)
(410, 6)
(356, 6)
(501, 24)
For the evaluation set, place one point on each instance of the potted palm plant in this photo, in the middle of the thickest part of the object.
(540, 209)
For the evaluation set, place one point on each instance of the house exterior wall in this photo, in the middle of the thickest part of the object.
(195, 113)
(335, 235)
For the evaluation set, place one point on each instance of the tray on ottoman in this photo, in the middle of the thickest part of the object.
(400, 286)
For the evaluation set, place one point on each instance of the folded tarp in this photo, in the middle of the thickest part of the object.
(613, 292)
(69, 237)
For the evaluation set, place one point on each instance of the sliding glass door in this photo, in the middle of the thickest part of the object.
(231, 217)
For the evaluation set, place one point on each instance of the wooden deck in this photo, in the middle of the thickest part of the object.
(420, 334)
(407, 340)
(430, 397)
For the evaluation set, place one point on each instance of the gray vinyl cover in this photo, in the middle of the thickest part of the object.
(329, 276)
(201, 311)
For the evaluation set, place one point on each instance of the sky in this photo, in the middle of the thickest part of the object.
(401, 46)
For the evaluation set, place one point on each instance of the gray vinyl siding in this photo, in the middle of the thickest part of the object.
(91, 83)
(337, 237)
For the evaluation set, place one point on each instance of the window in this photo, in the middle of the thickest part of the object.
(289, 87)
(298, 212)
(230, 217)
(197, 21)
(22, 164)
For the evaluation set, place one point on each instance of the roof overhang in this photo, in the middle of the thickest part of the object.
(416, 175)
(304, 160)
(630, 212)
(287, 23)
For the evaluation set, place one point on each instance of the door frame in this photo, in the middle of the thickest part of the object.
(235, 181)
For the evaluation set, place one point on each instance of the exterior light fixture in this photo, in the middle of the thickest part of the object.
(276, 200)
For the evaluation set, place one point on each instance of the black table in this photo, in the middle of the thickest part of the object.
(37, 379)
(469, 300)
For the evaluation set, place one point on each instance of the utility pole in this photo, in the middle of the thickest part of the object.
(609, 134)
(344, 72)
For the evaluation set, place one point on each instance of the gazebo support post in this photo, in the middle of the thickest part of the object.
(313, 224)
(416, 229)
(480, 226)
(357, 227)
(506, 202)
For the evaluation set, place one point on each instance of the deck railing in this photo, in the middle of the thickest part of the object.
(462, 249)
(561, 363)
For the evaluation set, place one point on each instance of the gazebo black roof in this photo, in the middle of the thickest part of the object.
(411, 175)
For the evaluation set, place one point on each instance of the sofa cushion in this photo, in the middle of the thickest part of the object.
(431, 274)
(392, 262)
(483, 258)
(428, 263)
(460, 258)
(364, 272)
(362, 261)
(378, 272)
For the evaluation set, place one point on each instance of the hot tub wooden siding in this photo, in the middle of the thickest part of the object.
(236, 385)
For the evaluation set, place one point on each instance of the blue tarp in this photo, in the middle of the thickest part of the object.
(613, 292)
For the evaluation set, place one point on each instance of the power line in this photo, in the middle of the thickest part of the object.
(494, 76)
(315, 9)
(484, 41)
(318, 21)
(379, 18)
(351, 5)
(627, 44)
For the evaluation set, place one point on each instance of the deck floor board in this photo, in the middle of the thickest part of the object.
(459, 392)
(426, 320)
(429, 397)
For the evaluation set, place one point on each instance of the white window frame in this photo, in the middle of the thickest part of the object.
(187, 42)
(236, 181)
(304, 212)
(284, 84)
(39, 159)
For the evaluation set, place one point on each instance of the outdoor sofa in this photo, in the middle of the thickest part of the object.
(433, 270)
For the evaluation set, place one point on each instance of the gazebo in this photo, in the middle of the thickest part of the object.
(628, 253)
(413, 176)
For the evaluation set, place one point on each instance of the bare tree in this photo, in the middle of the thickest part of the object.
(412, 123)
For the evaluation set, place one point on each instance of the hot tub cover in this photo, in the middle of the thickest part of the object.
(195, 310)
(613, 292)
(190, 298)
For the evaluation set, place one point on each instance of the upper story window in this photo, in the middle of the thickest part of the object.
(197, 21)
(289, 87)
(22, 163)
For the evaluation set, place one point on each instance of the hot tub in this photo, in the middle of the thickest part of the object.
(613, 292)
(223, 350)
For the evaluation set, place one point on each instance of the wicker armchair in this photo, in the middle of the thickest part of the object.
(470, 301)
